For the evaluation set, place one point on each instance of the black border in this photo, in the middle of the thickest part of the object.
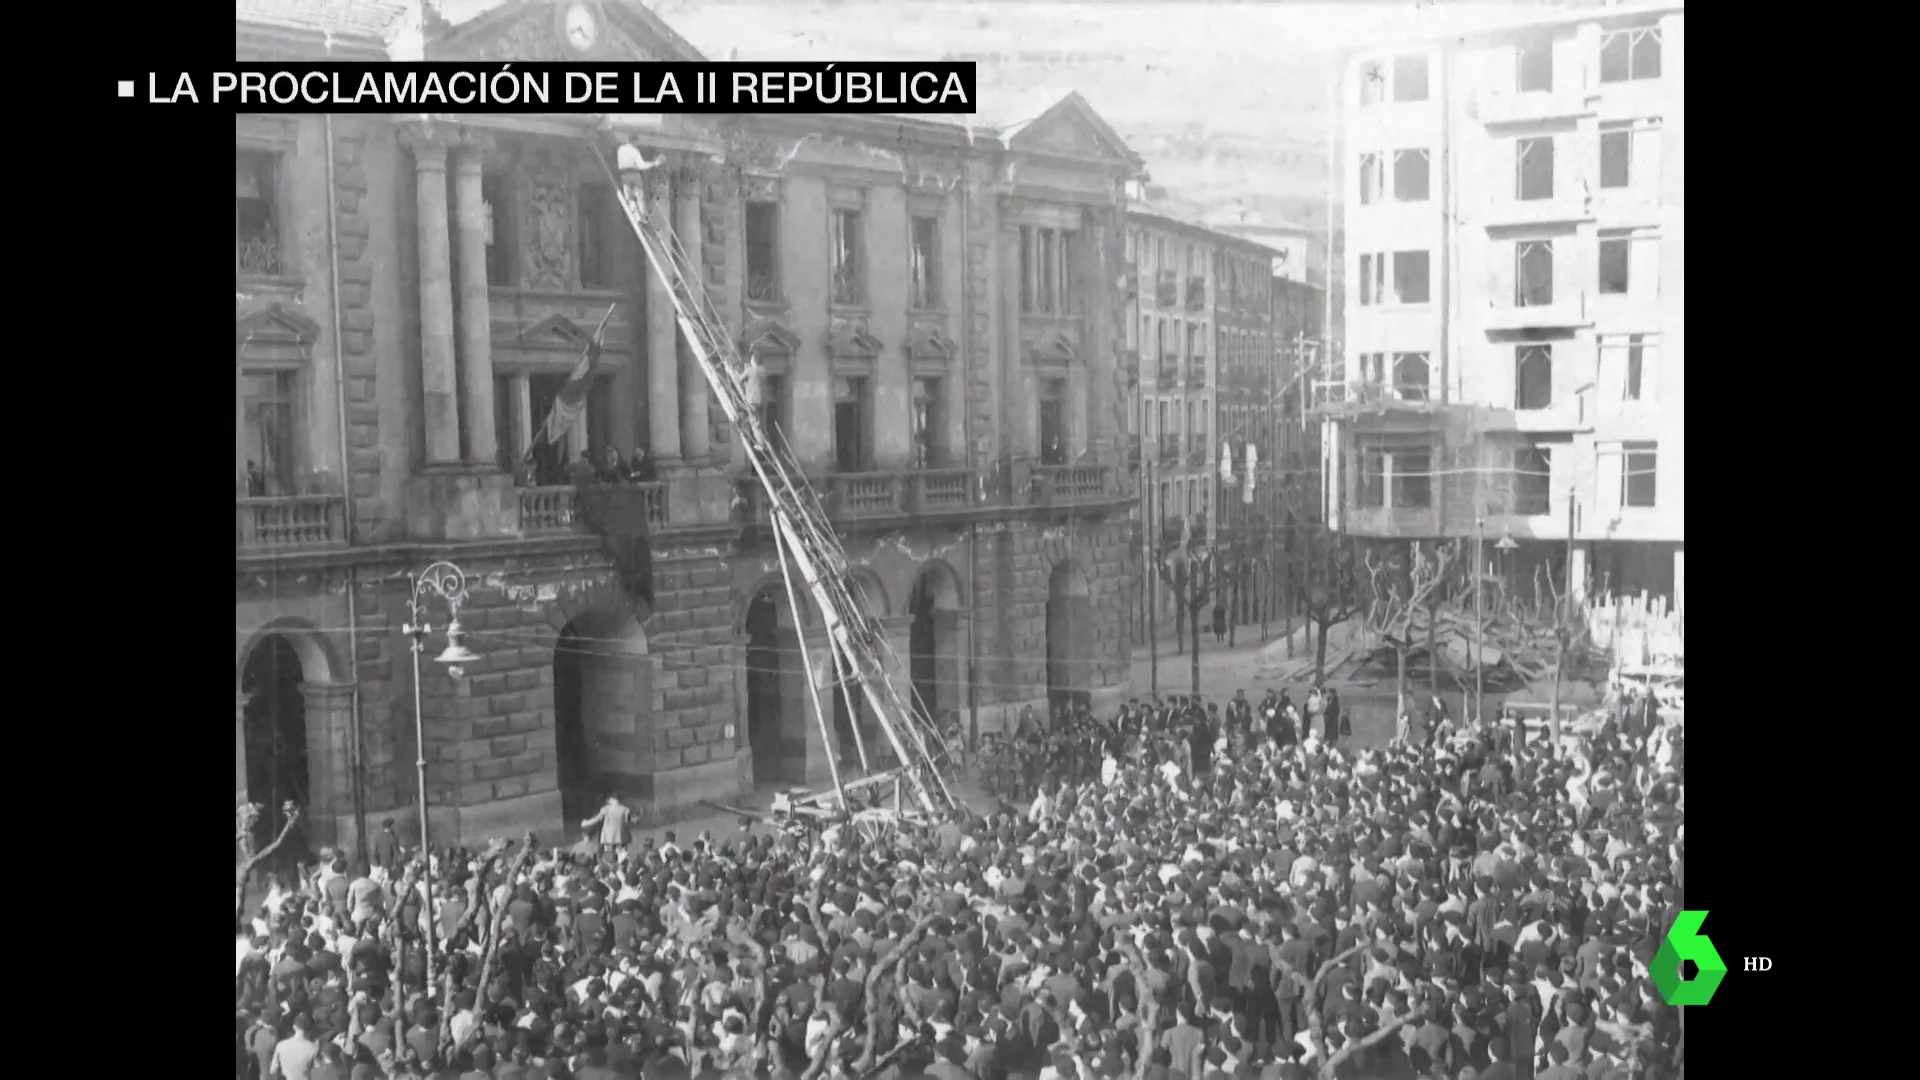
(155, 744)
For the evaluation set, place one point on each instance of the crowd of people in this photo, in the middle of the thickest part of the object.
(1189, 893)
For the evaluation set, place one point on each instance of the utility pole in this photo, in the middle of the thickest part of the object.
(1150, 577)
(1479, 619)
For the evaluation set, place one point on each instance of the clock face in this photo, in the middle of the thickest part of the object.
(582, 27)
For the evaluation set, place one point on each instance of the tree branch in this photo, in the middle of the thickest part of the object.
(251, 813)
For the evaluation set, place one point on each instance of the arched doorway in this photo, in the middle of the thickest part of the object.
(933, 642)
(602, 712)
(1069, 621)
(871, 596)
(767, 635)
(274, 723)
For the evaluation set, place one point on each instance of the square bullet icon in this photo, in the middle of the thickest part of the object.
(126, 87)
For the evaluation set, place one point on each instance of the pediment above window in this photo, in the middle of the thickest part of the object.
(770, 341)
(270, 333)
(1052, 347)
(927, 343)
(851, 341)
(533, 30)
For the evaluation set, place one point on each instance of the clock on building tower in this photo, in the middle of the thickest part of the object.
(580, 27)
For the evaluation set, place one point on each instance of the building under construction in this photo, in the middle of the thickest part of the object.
(1514, 359)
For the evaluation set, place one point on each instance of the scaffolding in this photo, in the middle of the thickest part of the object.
(859, 655)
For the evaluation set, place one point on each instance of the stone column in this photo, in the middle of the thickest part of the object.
(476, 330)
(438, 382)
(663, 357)
(522, 414)
(695, 435)
(240, 748)
(239, 424)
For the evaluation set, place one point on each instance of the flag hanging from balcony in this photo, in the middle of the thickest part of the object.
(619, 514)
(1246, 486)
(1226, 461)
(570, 404)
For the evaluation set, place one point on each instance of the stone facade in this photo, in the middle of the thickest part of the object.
(998, 579)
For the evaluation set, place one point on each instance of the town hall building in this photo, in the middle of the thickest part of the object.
(937, 307)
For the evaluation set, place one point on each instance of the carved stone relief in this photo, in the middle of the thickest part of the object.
(547, 256)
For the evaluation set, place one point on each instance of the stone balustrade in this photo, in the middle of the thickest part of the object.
(282, 522)
(546, 511)
(1064, 485)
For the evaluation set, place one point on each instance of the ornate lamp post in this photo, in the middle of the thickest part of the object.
(449, 583)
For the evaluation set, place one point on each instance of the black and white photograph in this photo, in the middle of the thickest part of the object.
(1167, 564)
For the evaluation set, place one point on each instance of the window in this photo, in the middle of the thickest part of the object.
(1616, 258)
(1046, 271)
(1533, 377)
(267, 397)
(1533, 282)
(1373, 269)
(256, 220)
(1373, 83)
(850, 425)
(926, 263)
(1410, 277)
(1640, 467)
(1373, 179)
(1410, 176)
(1410, 375)
(1412, 479)
(1053, 428)
(1371, 492)
(1630, 55)
(928, 419)
(763, 251)
(1616, 158)
(1373, 369)
(496, 194)
(849, 286)
(596, 236)
(1641, 355)
(1533, 480)
(1535, 72)
(773, 398)
(1410, 78)
(1533, 169)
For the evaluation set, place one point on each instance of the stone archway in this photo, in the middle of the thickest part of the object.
(775, 741)
(935, 644)
(274, 752)
(604, 737)
(856, 728)
(1069, 624)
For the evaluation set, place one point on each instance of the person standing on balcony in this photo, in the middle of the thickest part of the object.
(581, 473)
(611, 470)
(640, 468)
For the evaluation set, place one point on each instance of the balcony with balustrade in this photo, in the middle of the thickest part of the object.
(1071, 485)
(1197, 373)
(285, 523)
(555, 510)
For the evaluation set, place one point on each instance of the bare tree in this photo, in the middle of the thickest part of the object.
(246, 818)
(1395, 600)
(1542, 636)
(1332, 576)
(1195, 575)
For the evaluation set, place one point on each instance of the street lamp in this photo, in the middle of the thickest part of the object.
(449, 583)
